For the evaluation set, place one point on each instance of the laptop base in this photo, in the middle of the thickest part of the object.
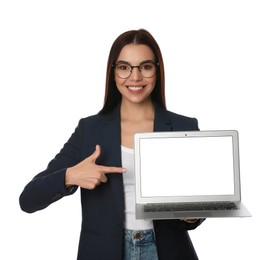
(241, 211)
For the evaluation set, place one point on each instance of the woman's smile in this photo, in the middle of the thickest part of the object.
(135, 89)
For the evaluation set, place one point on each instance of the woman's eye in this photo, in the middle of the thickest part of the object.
(123, 67)
(147, 66)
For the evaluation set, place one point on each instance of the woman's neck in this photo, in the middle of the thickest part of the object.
(137, 112)
(135, 118)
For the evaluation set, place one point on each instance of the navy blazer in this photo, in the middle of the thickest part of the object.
(103, 207)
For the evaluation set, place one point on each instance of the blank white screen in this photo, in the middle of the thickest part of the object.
(186, 166)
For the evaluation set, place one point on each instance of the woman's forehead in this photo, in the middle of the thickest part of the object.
(135, 53)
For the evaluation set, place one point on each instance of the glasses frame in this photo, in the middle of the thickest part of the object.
(132, 67)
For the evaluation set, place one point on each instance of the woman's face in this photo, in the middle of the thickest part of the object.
(135, 88)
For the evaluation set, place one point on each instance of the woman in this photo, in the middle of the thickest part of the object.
(98, 158)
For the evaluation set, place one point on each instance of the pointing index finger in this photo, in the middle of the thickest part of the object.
(111, 169)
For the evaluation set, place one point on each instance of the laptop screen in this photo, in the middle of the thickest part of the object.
(186, 166)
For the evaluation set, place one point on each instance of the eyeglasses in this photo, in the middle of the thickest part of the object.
(124, 70)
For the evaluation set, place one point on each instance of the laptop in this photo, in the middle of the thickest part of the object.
(190, 174)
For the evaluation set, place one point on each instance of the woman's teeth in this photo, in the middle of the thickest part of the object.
(135, 88)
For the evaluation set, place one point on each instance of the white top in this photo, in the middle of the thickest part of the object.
(129, 189)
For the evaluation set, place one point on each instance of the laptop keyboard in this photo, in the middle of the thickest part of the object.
(189, 206)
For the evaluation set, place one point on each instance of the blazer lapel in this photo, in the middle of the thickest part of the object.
(111, 155)
(162, 122)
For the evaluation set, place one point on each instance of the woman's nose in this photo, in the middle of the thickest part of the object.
(135, 74)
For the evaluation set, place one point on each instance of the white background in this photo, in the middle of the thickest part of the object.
(222, 64)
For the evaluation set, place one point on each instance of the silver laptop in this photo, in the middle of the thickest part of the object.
(188, 175)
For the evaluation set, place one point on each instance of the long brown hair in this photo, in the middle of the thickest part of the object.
(112, 95)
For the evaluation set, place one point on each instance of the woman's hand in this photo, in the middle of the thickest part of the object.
(87, 174)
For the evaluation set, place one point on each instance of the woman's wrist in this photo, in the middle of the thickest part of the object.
(68, 177)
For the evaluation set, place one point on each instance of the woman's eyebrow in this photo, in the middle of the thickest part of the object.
(123, 61)
(126, 62)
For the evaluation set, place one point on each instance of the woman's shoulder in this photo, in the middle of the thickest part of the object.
(162, 112)
(181, 121)
(92, 118)
(177, 116)
(92, 121)
(100, 119)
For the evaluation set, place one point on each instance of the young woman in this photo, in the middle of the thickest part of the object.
(98, 158)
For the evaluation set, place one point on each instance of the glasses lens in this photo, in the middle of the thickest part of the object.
(123, 70)
(147, 70)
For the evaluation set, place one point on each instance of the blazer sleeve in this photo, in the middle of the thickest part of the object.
(49, 185)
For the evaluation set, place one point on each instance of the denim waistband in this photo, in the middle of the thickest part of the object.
(139, 236)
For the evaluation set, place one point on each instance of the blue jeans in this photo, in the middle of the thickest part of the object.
(140, 245)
